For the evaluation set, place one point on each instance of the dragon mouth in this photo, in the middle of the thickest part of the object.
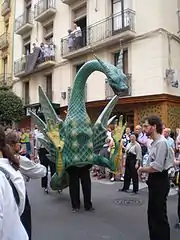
(119, 91)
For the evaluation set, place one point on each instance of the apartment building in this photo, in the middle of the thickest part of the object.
(6, 40)
(151, 54)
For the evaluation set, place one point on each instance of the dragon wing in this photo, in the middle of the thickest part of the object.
(100, 127)
(41, 125)
(47, 109)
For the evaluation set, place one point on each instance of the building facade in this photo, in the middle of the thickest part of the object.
(151, 53)
(6, 42)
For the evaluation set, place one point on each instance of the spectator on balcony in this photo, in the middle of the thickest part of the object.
(70, 39)
(52, 51)
(78, 36)
(34, 47)
(46, 51)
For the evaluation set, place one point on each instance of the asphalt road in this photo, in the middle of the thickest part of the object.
(117, 216)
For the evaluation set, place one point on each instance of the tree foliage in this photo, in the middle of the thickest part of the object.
(11, 107)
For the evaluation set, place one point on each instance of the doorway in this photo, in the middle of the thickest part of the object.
(82, 24)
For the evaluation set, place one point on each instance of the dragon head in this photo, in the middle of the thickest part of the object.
(115, 76)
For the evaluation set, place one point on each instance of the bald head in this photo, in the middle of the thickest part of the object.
(138, 129)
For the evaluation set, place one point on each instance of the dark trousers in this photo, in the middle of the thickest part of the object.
(158, 185)
(47, 163)
(75, 175)
(131, 173)
(26, 217)
(179, 204)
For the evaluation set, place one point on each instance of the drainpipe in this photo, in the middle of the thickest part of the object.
(13, 34)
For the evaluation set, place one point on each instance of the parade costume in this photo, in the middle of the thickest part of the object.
(76, 142)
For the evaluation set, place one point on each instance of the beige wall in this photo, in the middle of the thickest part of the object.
(148, 57)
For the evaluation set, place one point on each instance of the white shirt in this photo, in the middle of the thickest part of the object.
(18, 181)
(38, 144)
(11, 227)
(30, 169)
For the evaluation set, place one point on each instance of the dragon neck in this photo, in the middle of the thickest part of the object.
(77, 100)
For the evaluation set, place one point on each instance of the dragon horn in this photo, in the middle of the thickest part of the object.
(111, 120)
(104, 67)
(120, 60)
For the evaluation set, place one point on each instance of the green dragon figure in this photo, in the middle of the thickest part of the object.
(76, 141)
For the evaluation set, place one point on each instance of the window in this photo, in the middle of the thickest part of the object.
(28, 13)
(27, 46)
(49, 86)
(26, 93)
(125, 60)
(78, 66)
(48, 32)
(120, 13)
(178, 13)
(5, 68)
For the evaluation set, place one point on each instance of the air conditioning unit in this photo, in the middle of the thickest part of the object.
(63, 95)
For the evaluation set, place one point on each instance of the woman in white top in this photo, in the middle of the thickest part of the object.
(29, 169)
(11, 227)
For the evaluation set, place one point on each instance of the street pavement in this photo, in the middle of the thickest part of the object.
(117, 215)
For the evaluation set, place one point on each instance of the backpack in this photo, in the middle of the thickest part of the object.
(15, 192)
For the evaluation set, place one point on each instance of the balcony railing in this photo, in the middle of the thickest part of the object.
(105, 29)
(5, 80)
(71, 43)
(25, 18)
(4, 41)
(19, 66)
(5, 7)
(111, 26)
(28, 64)
(109, 92)
(44, 9)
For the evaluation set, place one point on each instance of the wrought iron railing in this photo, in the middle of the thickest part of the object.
(4, 40)
(109, 92)
(26, 17)
(19, 65)
(111, 26)
(42, 6)
(4, 6)
(99, 31)
(5, 80)
(71, 43)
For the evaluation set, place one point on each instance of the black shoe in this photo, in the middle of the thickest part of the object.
(89, 209)
(122, 190)
(134, 192)
(75, 210)
(177, 226)
(46, 190)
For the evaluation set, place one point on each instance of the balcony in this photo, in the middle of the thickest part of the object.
(6, 80)
(69, 2)
(109, 92)
(4, 41)
(71, 48)
(19, 67)
(23, 24)
(33, 63)
(5, 8)
(44, 10)
(104, 33)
